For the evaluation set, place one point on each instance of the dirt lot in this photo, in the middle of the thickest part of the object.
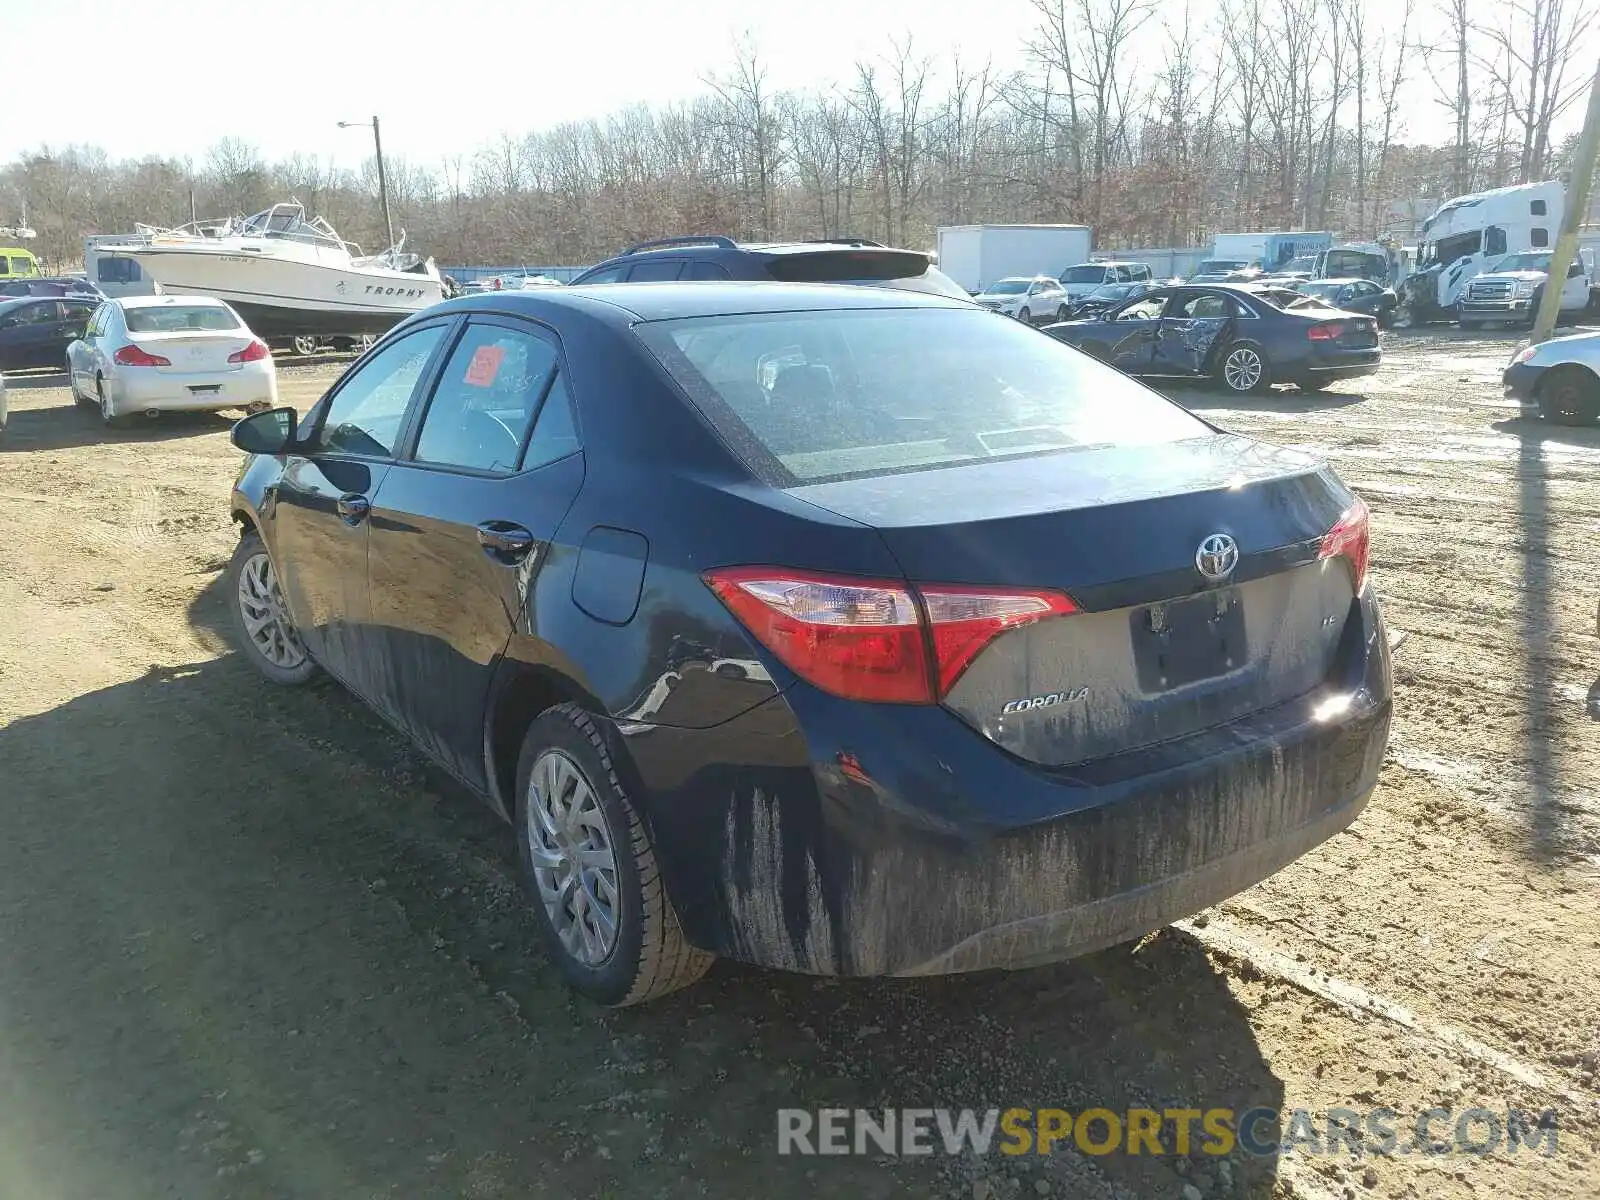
(250, 945)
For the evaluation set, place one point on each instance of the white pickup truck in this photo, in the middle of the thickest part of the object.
(1511, 292)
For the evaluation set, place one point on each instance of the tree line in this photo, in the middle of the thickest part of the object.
(1157, 124)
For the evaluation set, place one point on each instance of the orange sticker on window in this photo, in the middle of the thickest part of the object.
(485, 365)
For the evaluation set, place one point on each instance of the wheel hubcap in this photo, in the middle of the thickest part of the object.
(1242, 370)
(573, 860)
(266, 621)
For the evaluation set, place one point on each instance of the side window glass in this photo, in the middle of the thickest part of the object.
(555, 435)
(707, 270)
(1147, 309)
(608, 274)
(485, 399)
(1536, 208)
(366, 413)
(1575, 270)
(1536, 237)
(655, 272)
(1201, 307)
(1494, 241)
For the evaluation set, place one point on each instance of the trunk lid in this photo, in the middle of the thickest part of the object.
(194, 353)
(1157, 650)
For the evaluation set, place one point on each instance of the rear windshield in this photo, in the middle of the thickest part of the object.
(1090, 274)
(187, 318)
(903, 269)
(813, 396)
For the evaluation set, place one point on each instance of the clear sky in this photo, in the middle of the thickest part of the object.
(445, 76)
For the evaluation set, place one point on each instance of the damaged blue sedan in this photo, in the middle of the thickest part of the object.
(833, 629)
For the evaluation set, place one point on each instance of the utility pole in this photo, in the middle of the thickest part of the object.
(1566, 247)
(383, 179)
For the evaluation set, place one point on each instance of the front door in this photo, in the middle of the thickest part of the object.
(1189, 329)
(30, 335)
(460, 527)
(319, 514)
(1133, 330)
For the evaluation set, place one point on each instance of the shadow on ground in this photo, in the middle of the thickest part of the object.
(71, 425)
(1277, 400)
(252, 946)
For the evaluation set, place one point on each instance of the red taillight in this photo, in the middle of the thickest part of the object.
(1324, 333)
(254, 352)
(137, 356)
(869, 639)
(1350, 538)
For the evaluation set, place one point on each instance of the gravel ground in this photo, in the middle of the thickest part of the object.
(252, 946)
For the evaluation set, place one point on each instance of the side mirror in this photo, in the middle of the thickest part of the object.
(269, 432)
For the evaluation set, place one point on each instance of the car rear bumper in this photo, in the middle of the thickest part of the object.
(144, 390)
(1350, 370)
(816, 835)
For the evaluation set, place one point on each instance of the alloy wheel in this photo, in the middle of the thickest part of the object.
(1242, 369)
(574, 861)
(266, 621)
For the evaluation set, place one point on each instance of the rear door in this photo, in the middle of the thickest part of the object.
(1132, 331)
(460, 526)
(1191, 325)
(319, 510)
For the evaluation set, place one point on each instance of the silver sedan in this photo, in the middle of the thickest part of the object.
(1558, 379)
(154, 354)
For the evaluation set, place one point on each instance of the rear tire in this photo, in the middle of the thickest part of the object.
(108, 418)
(1243, 369)
(266, 636)
(571, 802)
(1570, 395)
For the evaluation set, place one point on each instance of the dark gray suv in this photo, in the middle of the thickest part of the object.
(832, 260)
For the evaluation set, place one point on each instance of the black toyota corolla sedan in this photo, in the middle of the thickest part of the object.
(835, 629)
(1240, 336)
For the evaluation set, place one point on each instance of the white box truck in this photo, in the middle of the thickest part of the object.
(977, 255)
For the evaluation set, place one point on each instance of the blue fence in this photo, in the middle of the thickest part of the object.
(468, 274)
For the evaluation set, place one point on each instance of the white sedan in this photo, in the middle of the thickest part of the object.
(153, 354)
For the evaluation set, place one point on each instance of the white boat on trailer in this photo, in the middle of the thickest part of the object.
(288, 275)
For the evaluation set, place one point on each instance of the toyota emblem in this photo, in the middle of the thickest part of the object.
(1217, 556)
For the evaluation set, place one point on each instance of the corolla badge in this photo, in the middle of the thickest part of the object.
(1217, 556)
(1049, 700)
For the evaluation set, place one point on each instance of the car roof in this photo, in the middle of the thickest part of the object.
(708, 249)
(9, 302)
(160, 301)
(629, 302)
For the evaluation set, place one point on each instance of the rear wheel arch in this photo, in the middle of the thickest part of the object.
(519, 695)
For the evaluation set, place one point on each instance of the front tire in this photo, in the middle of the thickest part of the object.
(590, 869)
(1025, 317)
(1570, 396)
(1243, 369)
(1061, 313)
(305, 344)
(266, 634)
